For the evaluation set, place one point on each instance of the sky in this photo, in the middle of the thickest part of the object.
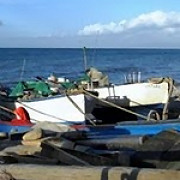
(90, 23)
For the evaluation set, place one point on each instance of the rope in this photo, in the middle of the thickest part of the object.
(80, 110)
(7, 109)
(116, 106)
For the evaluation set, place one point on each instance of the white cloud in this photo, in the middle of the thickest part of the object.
(168, 22)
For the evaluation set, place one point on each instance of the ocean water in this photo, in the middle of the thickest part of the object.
(27, 63)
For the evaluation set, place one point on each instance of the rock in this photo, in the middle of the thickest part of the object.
(36, 142)
(33, 135)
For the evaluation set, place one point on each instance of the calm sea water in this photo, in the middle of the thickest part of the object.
(22, 64)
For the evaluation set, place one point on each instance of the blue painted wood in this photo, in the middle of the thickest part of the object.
(133, 128)
(11, 129)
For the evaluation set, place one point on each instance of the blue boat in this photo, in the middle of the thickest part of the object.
(148, 127)
(21, 123)
(136, 128)
(7, 128)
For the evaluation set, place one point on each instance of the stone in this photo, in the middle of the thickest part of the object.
(33, 135)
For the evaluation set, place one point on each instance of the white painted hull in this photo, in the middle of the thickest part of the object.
(137, 94)
(55, 109)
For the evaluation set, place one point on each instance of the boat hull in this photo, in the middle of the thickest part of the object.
(14, 129)
(139, 98)
(134, 128)
(133, 95)
(58, 109)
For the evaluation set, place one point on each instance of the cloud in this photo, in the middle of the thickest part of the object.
(1, 23)
(168, 22)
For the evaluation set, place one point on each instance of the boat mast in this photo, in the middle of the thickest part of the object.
(85, 59)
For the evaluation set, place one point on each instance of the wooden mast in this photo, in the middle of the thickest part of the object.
(85, 59)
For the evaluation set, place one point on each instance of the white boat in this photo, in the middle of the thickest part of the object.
(58, 109)
(139, 94)
(133, 101)
(135, 93)
(55, 109)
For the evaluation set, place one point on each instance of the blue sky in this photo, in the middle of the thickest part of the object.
(91, 23)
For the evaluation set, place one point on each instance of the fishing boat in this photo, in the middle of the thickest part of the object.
(43, 104)
(122, 100)
(58, 109)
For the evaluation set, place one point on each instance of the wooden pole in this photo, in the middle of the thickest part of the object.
(47, 172)
(85, 59)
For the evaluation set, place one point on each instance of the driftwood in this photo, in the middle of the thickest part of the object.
(73, 157)
(35, 160)
(114, 143)
(157, 150)
(28, 159)
(37, 172)
(52, 151)
(171, 158)
(65, 151)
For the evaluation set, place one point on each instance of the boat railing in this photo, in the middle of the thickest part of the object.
(131, 78)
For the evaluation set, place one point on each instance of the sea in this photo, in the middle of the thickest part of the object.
(19, 64)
